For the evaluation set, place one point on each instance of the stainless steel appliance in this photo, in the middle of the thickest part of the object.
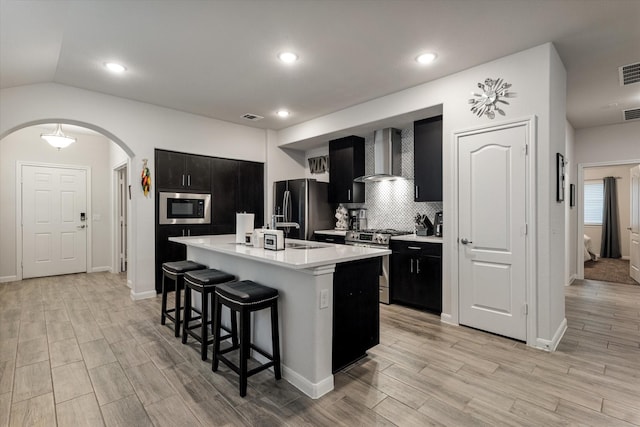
(437, 224)
(376, 239)
(305, 202)
(358, 219)
(184, 208)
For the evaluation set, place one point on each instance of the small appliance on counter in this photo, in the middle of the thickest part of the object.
(274, 240)
(437, 223)
(357, 219)
(244, 225)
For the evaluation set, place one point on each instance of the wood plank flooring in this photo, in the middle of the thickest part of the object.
(75, 350)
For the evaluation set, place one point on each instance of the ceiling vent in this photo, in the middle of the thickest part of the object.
(631, 114)
(252, 117)
(629, 74)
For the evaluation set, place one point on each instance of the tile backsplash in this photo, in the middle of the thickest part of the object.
(390, 203)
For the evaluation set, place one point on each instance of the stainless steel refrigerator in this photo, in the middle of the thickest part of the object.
(304, 201)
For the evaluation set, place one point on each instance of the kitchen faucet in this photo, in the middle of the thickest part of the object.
(281, 224)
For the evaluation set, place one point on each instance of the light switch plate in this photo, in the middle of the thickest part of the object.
(324, 298)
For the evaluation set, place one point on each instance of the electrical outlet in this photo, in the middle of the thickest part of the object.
(324, 298)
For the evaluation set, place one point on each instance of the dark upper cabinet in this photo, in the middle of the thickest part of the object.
(346, 162)
(416, 275)
(181, 171)
(250, 197)
(427, 149)
(236, 186)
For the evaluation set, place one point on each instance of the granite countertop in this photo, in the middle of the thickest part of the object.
(414, 238)
(317, 255)
(332, 232)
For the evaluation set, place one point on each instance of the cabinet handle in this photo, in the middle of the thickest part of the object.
(414, 247)
(188, 232)
(330, 240)
(417, 266)
(349, 195)
(412, 265)
(183, 232)
(183, 180)
(417, 191)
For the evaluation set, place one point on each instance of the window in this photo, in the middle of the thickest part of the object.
(593, 200)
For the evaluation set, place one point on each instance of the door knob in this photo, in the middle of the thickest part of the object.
(629, 228)
(82, 226)
(465, 241)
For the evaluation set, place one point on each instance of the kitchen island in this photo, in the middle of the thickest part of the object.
(328, 305)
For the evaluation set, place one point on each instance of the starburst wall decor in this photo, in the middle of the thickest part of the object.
(493, 92)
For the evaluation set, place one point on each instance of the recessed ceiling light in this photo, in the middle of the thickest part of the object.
(116, 68)
(288, 57)
(426, 58)
(283, 113)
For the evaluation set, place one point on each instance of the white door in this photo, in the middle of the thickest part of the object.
(54, 222)
(634, 252)
(492, 230)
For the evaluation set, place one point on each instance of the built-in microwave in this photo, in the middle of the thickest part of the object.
(184, 208)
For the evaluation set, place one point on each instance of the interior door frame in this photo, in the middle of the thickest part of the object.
(115, 268)
(19, 235)
(530, 123)
(580, 204)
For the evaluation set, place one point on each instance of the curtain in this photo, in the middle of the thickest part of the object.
(610, 246)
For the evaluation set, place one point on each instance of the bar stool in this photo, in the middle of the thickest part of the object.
(204, 282)
(245, 297)
(175, 271)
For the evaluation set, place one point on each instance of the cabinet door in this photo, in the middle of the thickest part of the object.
(329, 238)
(346, 162)
(402, 278)
(224, 182)
(427, 146)
(170, 172)
(429, 283)
(168, 251)
(250, 197)
(198, 175)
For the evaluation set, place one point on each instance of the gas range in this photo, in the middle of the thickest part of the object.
(374, 238)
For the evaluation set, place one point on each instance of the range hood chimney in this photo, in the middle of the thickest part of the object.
(387, 153)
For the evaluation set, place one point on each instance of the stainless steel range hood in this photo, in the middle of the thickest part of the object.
(387, 146)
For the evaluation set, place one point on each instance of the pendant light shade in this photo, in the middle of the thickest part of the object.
(58, 139)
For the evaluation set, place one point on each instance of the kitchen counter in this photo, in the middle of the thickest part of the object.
(305, 282)
(332, 232)
(414, 238)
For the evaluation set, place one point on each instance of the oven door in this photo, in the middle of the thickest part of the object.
(184, 208)
(383, 279)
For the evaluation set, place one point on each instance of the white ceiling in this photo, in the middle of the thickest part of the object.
(217, 58)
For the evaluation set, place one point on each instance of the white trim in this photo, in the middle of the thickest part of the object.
(142, 295)
(572, 279)
(5, 279)
(530, 122)
(101, 269)
(313, 390)
(579, 195)
(551, 345)
(115, 239)
(446, 318)
(626, 257)
(19, 165)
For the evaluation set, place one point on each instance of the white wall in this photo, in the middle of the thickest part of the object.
(571, 214)
(138, 128)
(623, 186)
(538, 79)
(608, 143)
(90, 150)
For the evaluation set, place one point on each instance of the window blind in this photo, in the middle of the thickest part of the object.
(593, 199)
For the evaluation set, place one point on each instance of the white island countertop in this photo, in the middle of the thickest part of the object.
(307, 255)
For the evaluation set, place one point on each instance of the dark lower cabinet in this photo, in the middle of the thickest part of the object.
(356, 311)
(167, 251)
(416, 275)
(328, 238)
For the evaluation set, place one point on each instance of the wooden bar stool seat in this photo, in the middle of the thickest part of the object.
(175, 271)
(245, 297)
(204, 282)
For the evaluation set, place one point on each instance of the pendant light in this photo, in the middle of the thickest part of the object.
(58, 139)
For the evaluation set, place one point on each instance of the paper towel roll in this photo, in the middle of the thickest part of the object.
(244, 224)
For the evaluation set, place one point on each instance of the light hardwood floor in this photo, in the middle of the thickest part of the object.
(75, 350)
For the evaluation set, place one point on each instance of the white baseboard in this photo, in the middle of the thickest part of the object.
(5, 279)
(447, 318)
(314, 391)
(142, 295)
(572, 279)
(551, 345)
(101, 269)
(129, 284)
(627, 257)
